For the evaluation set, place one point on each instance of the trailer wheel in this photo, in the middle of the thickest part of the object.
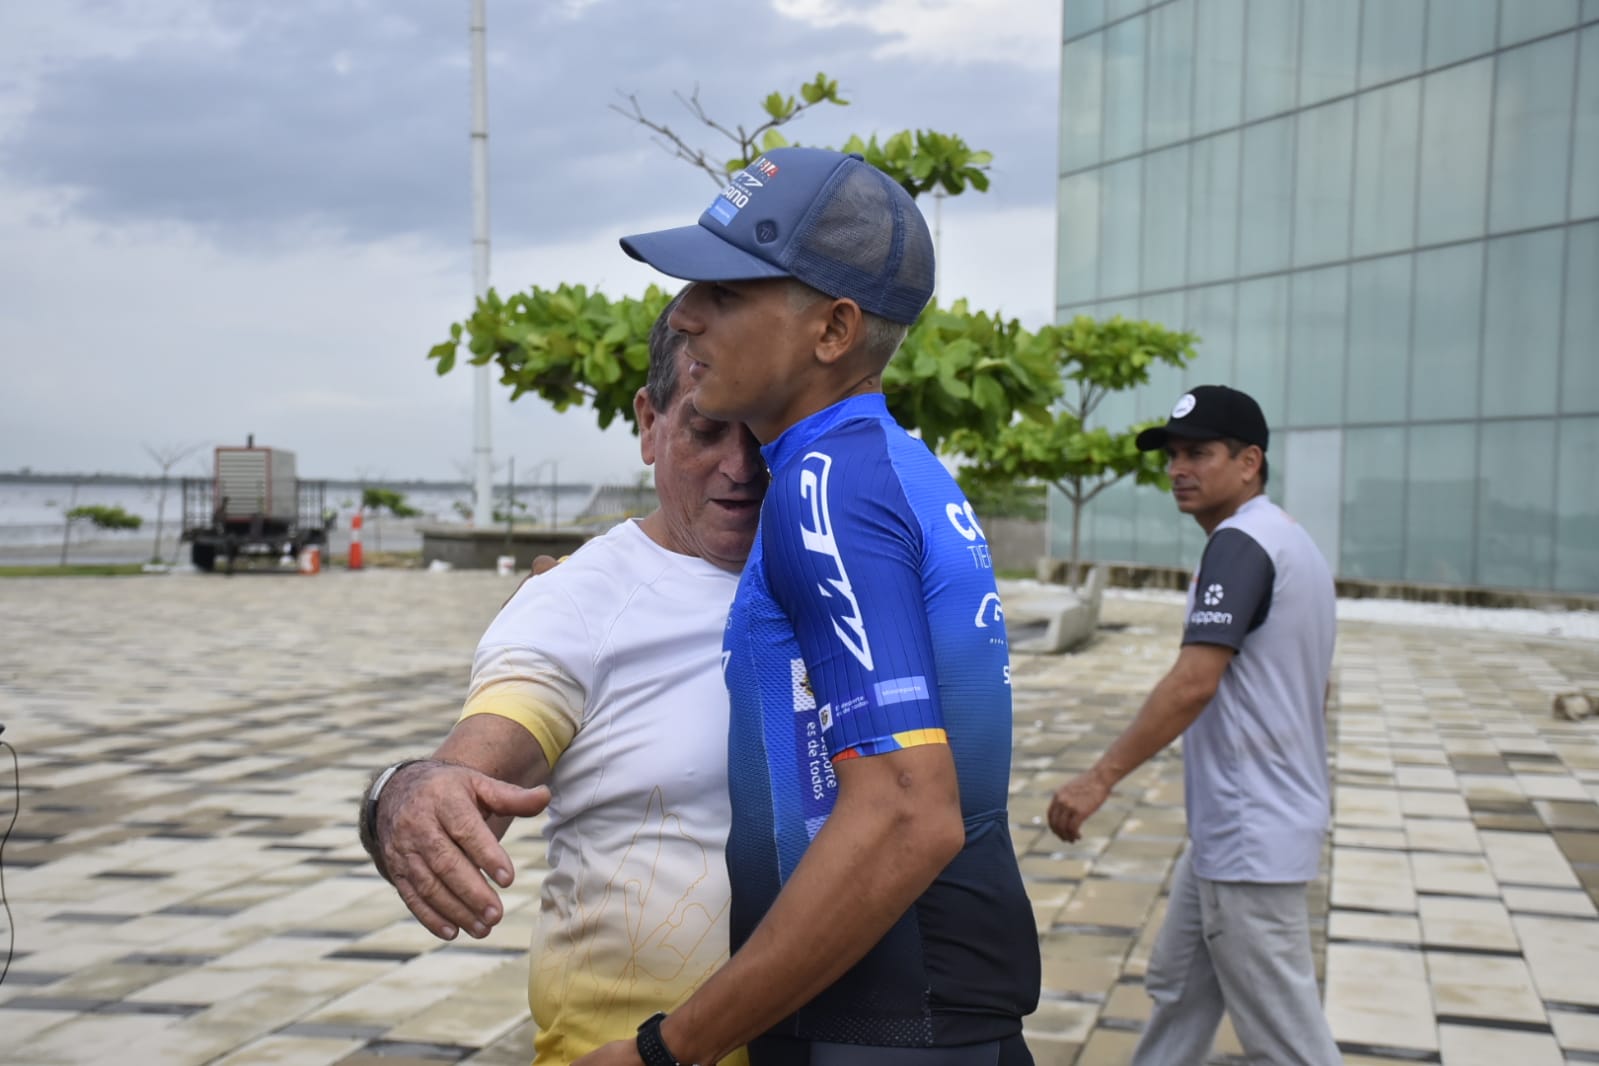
(204, 556)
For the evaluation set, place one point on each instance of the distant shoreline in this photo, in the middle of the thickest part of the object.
(17, 477)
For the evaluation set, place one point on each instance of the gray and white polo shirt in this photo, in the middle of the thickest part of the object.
(1255, 761)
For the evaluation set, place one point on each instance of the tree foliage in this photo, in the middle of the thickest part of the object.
(378, 500)
(103, 517)
(1094, 359)
(920, 160)
(958, 369)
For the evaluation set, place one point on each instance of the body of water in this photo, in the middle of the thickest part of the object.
(33, 516)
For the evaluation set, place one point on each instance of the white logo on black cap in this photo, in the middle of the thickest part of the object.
(1185, 404)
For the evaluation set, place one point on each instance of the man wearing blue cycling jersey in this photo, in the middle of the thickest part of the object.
(878, 912)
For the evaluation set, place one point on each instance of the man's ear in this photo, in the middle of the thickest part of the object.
(644, 411)
(841, 331)
(1252, 456)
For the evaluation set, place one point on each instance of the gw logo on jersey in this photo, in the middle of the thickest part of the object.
(818, 537)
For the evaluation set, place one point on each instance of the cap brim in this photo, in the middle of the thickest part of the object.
(1157, 437)
(694, 253)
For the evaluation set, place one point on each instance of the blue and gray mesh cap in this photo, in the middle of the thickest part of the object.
(831, 220)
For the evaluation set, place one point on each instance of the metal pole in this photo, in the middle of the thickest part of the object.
(482, 450)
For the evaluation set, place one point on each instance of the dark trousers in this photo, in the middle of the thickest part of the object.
(781, 1051)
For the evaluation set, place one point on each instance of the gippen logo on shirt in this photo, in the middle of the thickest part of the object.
(1211, 618)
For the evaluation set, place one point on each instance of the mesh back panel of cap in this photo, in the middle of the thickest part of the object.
(857, 242)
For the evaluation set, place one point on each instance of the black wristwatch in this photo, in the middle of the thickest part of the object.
(651, 1048)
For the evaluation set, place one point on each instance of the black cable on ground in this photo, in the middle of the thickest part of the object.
(11, 925)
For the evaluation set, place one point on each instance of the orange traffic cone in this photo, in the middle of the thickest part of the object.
(355, 541)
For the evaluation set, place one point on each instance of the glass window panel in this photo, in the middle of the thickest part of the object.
(1577, 507)
(1455, 114)
(1579, 374)
(1165, 217)
(1328, 42)
(1159, 528)
(1585, 140)
(1260, 362)
(1515, 505)
(1115, 9)
(1213, 221)
(1316, 347)
(1457, 29)
(1379, 340)
(1166, 382)
(1120, 196)
(1443, 369)
(1082, 71)
(1521, 332)
(1270, 57)
(1521, 20)
(1124, 88)
(1385, 168)
(1078, 239)
(1171, 73)
(1218, 64)
(1391, 37)
(1308, 482)
(1083, 15)
(1440, 502)
(1321, 195)
(1212, 316)
(1267, 181)
(1373, 526)
(1532, 134)
(1113, 512)
(1590, 10)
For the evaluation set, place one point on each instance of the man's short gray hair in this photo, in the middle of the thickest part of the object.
(883, 336)
(665, 343)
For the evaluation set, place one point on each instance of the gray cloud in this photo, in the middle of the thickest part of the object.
(353, 116)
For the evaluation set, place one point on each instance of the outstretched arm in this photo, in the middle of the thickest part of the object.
(439, 823)
(1172, 706)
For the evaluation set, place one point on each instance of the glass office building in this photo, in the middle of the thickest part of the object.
(1382, 218)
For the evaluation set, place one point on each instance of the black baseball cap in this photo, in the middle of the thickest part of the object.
(1210, 412)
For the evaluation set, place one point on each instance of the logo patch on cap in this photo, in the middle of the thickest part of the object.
(1185, 404)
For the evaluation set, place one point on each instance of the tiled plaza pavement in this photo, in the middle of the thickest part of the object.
(186, 887)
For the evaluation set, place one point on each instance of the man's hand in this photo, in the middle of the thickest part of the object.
(433, 827)
(616, 1053)
(1074, 802)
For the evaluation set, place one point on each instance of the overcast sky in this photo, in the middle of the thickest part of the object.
(221, 217)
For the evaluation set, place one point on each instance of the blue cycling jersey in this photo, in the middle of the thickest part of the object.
(867, 621)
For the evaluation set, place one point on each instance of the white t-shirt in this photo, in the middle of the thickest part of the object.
(613, 662)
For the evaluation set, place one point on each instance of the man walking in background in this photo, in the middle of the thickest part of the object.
(1248, 695)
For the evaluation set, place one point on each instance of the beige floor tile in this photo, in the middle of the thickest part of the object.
(1373, 880)
(1576, 1032)
(1371, 808)
(1551, 787)
(1480, 986)
(1358, 925)
(292, 1051)
(1528, 858)
(1466, 875)
(1379, 996)
(1561, 953)
(1426, 778)
(1571, 902)
(1448, 921)
(1462, 1045)
(1438, 834)
(1433, 805)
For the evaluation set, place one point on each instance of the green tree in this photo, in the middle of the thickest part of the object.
(1094, 359)
(377, 501)
(920, 160)
(99, 516)
(572, 347)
